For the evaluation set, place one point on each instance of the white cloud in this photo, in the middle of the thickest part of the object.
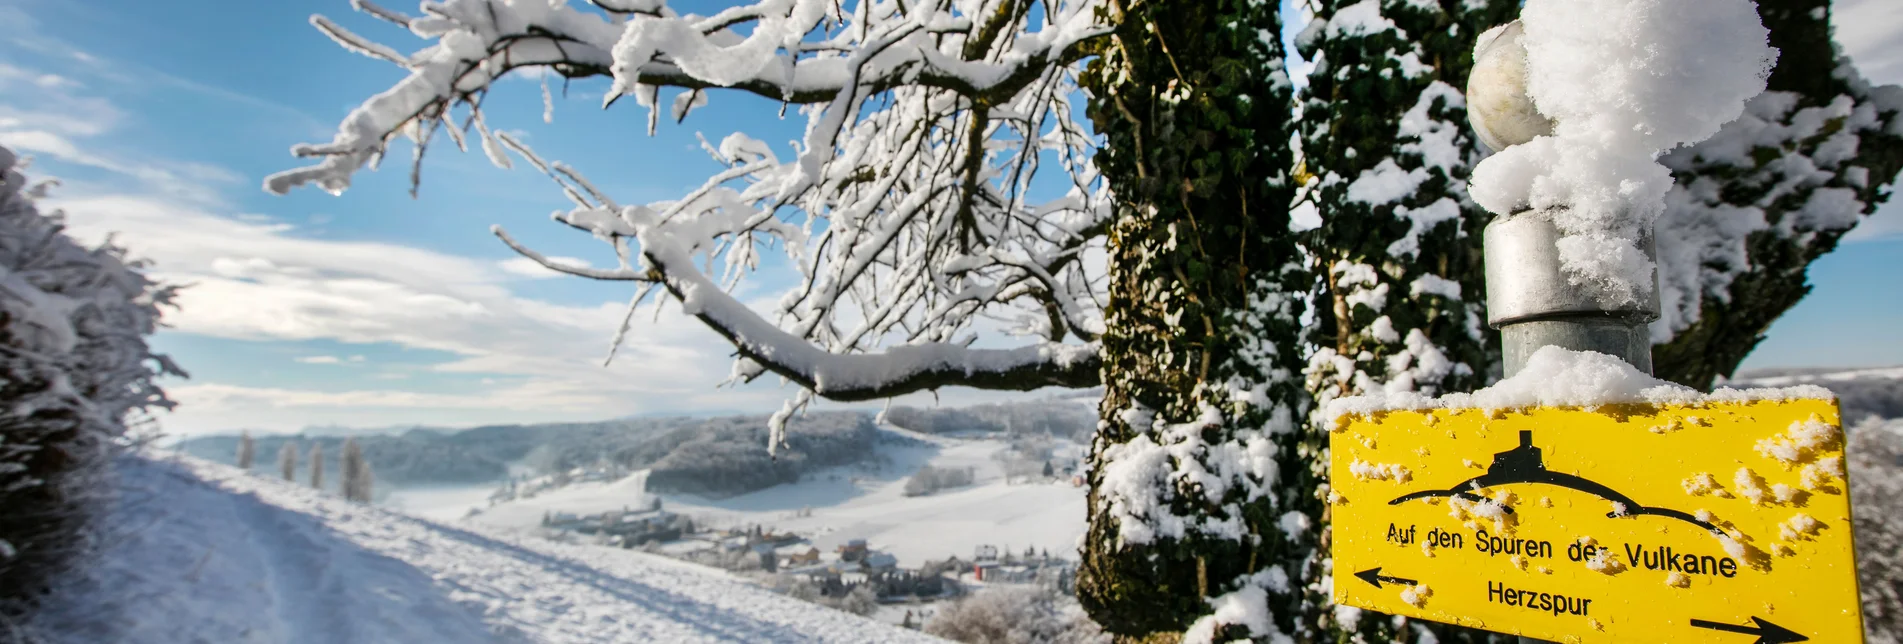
(251, 276)
(261, 282)
(48, 115)
(54, 106)
(1871, 32)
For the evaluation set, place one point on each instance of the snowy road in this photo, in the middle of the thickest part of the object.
(205, 553)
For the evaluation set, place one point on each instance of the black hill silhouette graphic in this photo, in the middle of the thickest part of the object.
(1524, 464)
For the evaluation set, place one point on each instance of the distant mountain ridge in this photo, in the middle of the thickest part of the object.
(1861, 392)
(707, 456)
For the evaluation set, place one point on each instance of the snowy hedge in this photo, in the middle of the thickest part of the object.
(73, 365)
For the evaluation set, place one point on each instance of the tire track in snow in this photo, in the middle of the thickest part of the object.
(324, 548)
(324, 589)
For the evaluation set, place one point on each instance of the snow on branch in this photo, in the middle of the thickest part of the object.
(907, 209)
(898, 370)
(878, 47)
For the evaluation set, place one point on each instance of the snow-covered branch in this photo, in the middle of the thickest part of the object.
(896, 371)
(908, 209)
(878, 47)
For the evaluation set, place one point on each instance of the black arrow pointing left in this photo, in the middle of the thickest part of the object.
(1767, 632)
(1374, 576)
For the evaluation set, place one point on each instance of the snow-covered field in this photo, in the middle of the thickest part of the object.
(862, 503)
(441, 503)
(200, 552)
(1786, 378)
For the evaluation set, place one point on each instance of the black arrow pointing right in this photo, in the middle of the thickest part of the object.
(1767, 632)
(1374, 576)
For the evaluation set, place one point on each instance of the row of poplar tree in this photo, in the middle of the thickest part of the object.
(354, 469)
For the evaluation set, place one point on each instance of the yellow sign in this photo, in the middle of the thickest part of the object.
(1723, 522)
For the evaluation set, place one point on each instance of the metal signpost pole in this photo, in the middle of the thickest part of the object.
(1533, 304)
(1529, 298)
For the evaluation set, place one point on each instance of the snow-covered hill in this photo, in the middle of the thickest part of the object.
(200, 552)
(856, 502)
(1861, 393)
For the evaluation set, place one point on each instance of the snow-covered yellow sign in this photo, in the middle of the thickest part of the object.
(1723, 522)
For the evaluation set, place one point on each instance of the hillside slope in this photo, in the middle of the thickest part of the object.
(867, 501)
(1862, 393)
(201, 552)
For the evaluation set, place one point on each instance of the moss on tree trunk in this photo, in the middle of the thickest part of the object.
(1204, 284)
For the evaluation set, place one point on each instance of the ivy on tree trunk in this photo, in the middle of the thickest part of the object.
(1386, 151)
(1202, 485)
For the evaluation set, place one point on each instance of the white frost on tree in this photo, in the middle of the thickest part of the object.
(906, 208)
(287, 461)
(1015, 613)
(1782, 167)
(74, 367)
(355, 472)
(317, 465)
(247, 450)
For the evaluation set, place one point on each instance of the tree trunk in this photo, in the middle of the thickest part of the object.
(1755, 205)
(1203, 485)
(1386, 152)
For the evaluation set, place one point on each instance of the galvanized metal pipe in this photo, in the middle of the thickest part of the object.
(1533, 304)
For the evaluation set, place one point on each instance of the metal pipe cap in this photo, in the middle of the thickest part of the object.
(1525, 281)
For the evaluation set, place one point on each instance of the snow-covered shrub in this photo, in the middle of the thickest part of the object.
(73, 366)
(1876, 484)
(930, 479)
(858, 599)
(1016, 615)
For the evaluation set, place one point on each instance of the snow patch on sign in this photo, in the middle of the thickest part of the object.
(1417, 595)
(1603, 561)
(1750, 485)
(1800, 527)
(1556, 377)
(1380, 471)
(1802, 442)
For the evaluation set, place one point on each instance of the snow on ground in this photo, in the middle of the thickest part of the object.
(201, 552)
(1820, 377)
(864, 503)
(440, 503)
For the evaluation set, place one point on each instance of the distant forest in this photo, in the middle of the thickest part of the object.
(454, 457)
(1073, 417)
(709, 457)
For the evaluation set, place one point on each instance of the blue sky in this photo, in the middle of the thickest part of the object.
(162, 118)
